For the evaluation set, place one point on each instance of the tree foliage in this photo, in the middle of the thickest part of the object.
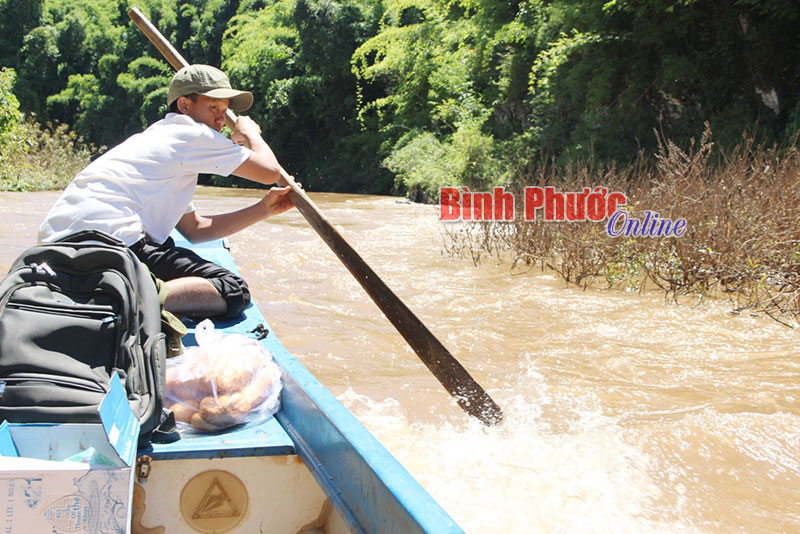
(573, 80)
(10, 115)
(32, 157)
(388, 95)
(297, 52)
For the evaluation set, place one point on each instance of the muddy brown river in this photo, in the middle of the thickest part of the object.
(624, 413)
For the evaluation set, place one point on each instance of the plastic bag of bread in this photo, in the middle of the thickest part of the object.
(226, 380)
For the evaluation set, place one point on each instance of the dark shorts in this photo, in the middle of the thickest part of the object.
(168, 262)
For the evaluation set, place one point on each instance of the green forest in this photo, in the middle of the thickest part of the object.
(404, 96)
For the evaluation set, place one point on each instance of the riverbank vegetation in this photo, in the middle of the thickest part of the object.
(35, 157)
(405, 96)
(742, 238)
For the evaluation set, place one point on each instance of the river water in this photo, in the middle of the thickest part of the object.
(623, 413)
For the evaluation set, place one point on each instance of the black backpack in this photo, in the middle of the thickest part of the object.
(71, 313)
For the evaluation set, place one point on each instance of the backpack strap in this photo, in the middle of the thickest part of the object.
(171, 325)
(165, 432)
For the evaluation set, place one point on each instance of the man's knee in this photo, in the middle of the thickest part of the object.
(235, 292)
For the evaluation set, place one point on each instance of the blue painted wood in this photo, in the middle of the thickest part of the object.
(370, 489)
(265, 439)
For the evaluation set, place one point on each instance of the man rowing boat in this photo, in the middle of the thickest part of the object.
(142, 189)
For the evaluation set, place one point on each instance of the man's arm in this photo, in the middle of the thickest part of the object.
(198, 228)
(262, 166)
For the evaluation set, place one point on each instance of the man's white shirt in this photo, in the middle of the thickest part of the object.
(143, 186)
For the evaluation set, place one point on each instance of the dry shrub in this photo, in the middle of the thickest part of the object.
(36, 158)
(742, 239)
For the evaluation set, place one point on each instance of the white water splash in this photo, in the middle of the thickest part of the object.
(531, 474)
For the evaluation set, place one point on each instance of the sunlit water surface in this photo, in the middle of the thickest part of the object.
(623, 413)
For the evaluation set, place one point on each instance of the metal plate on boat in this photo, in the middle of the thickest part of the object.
(214, 501)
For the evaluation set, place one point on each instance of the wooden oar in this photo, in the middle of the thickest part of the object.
(451, 374)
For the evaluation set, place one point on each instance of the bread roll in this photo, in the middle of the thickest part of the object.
(182, 412)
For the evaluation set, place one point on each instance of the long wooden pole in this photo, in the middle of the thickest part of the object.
(450, 373)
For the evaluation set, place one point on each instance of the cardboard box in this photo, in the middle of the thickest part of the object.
(42, 493)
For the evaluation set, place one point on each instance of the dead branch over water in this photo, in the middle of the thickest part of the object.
(742, 241)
